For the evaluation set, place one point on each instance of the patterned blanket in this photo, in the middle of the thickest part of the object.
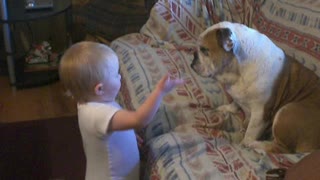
(188, 139)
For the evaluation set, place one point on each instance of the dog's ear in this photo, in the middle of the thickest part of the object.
(224, 37)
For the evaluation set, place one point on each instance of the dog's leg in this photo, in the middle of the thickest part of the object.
(226, 109)
(255, 127)
(232, 107)
(296, 126)
(269, 146)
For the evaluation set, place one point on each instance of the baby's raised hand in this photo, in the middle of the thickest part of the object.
(167, 83)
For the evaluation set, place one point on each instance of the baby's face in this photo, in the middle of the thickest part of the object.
(112, 83)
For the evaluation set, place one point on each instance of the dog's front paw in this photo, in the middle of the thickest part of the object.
(246, 142)
(233, 108)
(256, 145)
(261, 146)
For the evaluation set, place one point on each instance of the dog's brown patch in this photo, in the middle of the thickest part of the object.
(215, 57)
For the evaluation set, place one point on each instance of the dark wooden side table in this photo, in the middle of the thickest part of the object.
(13, 11)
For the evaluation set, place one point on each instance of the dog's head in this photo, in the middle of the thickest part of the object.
(214, 51)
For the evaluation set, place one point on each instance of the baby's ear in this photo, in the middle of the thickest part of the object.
(98, 89)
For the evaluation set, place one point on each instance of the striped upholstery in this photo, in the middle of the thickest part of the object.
(294, 26)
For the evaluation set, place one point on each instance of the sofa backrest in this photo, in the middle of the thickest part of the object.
(175, 21)
(294, 25)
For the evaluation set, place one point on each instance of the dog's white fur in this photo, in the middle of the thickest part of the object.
(254, 64)
(258, 72)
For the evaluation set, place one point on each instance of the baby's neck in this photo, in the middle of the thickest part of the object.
(100, 99)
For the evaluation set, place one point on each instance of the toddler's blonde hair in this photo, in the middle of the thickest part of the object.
(83, 66)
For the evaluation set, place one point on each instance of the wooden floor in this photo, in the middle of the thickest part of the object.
(38, 103)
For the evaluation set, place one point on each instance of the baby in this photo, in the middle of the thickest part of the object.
(90, 71)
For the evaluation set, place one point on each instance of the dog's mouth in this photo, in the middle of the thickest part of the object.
(212, 71)
(196, 65)
(200, 69)
(195, 60)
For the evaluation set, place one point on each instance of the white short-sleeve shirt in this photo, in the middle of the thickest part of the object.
(112, 155)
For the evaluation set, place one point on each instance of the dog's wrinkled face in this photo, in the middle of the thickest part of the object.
(214, 51)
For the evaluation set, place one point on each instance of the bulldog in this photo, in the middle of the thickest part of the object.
(275, 91)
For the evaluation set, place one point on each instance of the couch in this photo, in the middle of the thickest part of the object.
(182, 141)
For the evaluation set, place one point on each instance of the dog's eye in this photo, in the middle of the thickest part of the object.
(204, 50)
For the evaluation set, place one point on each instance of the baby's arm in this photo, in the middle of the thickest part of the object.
(125, 119)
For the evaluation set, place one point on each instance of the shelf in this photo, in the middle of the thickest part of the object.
(37, 78)
(14, 12)
(40, 67)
